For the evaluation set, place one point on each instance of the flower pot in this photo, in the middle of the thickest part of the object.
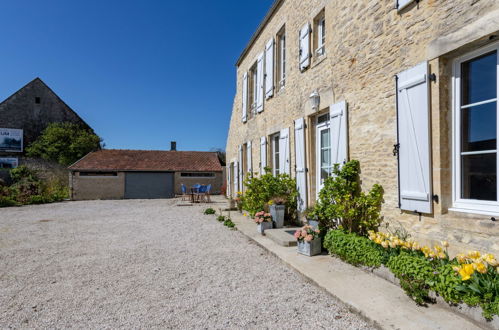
(263, 226)
(277, 212)
(314, 223)
(310, 248)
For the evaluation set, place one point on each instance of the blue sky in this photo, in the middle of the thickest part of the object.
(141, 73)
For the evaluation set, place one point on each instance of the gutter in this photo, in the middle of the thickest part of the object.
(263, 24)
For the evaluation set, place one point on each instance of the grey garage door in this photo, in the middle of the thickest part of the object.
(148, 185)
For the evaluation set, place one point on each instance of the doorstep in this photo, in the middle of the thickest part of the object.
(282, 236)
(379, 301)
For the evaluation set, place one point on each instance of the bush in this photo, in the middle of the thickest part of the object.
(261, 189)
(353, 249)
(209, 211)
(221, 218)
(64, 143)
(228, 222)
(341, 201)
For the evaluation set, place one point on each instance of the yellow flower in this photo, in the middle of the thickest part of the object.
(384, 244)
(466, 271)
(481, 268)
(393, 245)
(438, 248)
(490, 259)
(456, 268)
(245, 214)
(442, 255)
(474, 254)
(461, 258)
(271, 202)
(445, 244)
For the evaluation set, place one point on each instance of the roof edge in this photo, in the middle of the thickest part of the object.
(263, 24)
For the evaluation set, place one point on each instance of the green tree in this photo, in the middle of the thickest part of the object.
(64, 143)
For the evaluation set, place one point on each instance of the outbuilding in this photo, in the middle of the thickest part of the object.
(143, 174)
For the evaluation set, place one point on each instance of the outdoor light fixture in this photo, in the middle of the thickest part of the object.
(316, 99)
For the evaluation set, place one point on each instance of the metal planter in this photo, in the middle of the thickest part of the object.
(277, 212)
(263, 226)
(310, 248)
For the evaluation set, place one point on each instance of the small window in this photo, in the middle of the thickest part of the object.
(320, 34)
(281, 58)
(197, 175)
(98, 173)
(275, 153)
(37, 100)
(252, 85)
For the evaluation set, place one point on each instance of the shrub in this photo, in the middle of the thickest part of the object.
(353, 249)
(341, 201)
(209, 211)
(228, 222)
(261, 189)
(64, 143)
(221, 218)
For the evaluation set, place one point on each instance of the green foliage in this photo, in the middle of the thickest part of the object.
(261, 189)
(342, 201)
(445, 283)
(64, 143)
(209, 211)
(353, 249)
(228, 222)
(482, 289)
(221, 218)
(414, 272)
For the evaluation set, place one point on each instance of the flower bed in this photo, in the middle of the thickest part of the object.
(423, 271)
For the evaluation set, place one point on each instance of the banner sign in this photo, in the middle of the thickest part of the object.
(11, 140)
(9, 162)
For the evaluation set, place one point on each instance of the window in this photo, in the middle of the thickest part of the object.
(98, 173)
(37, 100)
(275, 153)
(323, 150)
(253, 83)
(281, 58)
(320, 34)
(197, 175)
(475, 117)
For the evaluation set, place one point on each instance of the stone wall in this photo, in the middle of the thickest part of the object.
(215, 181)
(367, 44)
(97, 187)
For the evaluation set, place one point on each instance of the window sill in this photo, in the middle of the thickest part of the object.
(474, 212)
(318, 60)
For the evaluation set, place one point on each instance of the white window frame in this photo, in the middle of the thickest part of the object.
(254, 87)
(318, 128)
(460, 204)
(275, 155)
(321, 36)
(281, 44)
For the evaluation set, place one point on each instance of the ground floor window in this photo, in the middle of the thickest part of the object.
(197, 175)
(475, 134)
(275, 153)
(323, 150)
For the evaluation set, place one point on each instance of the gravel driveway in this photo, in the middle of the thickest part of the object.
(147, 263)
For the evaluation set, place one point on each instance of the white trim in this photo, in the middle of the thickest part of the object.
(459, 204)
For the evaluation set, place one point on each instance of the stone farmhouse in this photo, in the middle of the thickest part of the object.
(408, 88)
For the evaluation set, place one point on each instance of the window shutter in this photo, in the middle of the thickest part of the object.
(284, 163)
(259, 83)
(269, 68)
(236, 179)
(245, 96)
(263, 154)
(248, 157)
(401, 4)
(229, 182)
(414, 139)
(305, 47)
(338, 115)
(240, 178)
(301, 171)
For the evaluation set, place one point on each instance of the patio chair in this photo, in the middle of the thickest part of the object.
(184, 194)
(201, 193)
(207, 193)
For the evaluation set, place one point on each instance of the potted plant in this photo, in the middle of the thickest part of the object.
(311, 217)
(263, 221)
(277, 210)
(309, 242)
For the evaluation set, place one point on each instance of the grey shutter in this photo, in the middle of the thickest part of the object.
(304, 47)
(263, 154)
(414, 139)
(245, 97)
(269, 68)
(248, 157)
(259, 83)
(236, 179)
(401, 4)
(228, 193)
(301, 171)
(240, 178)
(284, 161)
(338, 114)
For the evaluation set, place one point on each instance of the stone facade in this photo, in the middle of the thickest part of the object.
(367, 44)
(216, 182)
(33, 108)
(96, 187)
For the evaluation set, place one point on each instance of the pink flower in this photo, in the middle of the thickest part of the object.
(304, 233)
(309, 238)
(297, 234)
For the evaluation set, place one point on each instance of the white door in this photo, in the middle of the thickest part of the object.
(323, 151)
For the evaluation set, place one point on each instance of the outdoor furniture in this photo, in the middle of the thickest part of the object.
(201, 193)
(184, 194)
(207, 194)
(194, 191)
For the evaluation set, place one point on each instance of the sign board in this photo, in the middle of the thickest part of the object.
(11, 140)
(9, 162)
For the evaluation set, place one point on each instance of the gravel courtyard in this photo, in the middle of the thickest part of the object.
(147, 263)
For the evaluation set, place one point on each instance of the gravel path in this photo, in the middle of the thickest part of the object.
(147, 263)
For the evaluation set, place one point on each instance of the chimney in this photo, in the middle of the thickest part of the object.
(173, 146)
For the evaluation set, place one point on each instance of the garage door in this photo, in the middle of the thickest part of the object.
(148, 185)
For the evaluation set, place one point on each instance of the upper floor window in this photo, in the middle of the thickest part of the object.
(475, 117)
(281, 58)
(320, 34)
(275, 153)
(253, 83)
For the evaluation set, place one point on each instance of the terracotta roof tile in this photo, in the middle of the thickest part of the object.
(149, 160)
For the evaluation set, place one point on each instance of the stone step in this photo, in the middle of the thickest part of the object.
(282, 236)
